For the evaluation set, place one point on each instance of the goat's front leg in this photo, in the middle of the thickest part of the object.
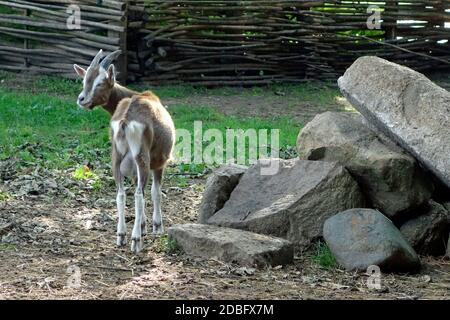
(137, 240)
(158, 227)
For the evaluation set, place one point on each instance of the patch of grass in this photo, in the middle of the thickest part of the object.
(4, 75)
(321, 92)
(173, 91)
(323, 256)
(4, 196)
(53, 131)
(55, 84)
(42, 125)
(83, 173)
(97, 185)
(7, 246)
(168, 245)
(179, 181)
(172, 246)
(185, 117)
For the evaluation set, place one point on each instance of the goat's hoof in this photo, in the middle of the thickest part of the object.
(158, 229)
(136, 245)
(121, 240)
(143, 229)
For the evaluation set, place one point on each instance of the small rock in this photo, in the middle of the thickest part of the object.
(218, 189)
(50, 184)
(359, 238)
(4, 228)
(232, 245)
(89, 224)
(244, 271)
(10, 238)
(428, 232)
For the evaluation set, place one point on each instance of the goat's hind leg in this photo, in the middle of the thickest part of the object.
(120, 200)
(137, 240)
(158, 227)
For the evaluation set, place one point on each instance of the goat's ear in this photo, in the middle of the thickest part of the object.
(111, 74)
(79, 70)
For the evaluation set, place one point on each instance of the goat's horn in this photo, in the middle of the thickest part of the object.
(106, 62)
(97, 58)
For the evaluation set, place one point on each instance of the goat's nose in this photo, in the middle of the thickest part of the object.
(80, 98)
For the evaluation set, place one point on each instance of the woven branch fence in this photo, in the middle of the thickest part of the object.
(36, 36)
(226, 42)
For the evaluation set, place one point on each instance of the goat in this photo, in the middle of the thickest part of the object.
(142, 138)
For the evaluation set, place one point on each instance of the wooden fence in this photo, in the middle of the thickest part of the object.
(225, 42)
(43, 36)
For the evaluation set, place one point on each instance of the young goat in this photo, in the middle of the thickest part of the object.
(142, 137)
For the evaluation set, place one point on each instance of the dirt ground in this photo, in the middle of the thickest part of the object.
(52, 235)
(53, 227)
(267, 106)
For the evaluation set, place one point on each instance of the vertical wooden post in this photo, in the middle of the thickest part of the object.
(26, 43)
(122, 61)
(441, 9)
(390, 31)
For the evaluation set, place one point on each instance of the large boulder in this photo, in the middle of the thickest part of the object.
(232, 245)
(428, 232)
(389, 177)
(359, 238)
(448, 247)
(218, 189)
(406, 106)
(293, 203)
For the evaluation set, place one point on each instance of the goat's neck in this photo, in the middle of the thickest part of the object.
(118, 93)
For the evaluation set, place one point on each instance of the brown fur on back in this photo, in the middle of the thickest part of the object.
(159, 132)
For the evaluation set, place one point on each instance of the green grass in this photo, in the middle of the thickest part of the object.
(172, 246)
(323, 256)
(168, 245)
(41, 123)
(4, 196)
(52, 84)
(7, 246)
(39, 128)
(321, 92)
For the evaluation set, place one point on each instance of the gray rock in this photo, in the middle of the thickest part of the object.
(218, 189)
(446, 205)
(388, 176)
(406, 106)
(232, 245)
(448, 247)
(292, 204)
(359, 238)
(428, 232)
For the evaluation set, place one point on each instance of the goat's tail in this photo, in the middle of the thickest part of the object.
(123, 123)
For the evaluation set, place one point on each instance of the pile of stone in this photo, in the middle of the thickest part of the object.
(375, 184)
